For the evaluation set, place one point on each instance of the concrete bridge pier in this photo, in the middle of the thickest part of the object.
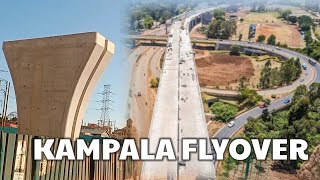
(53, 79)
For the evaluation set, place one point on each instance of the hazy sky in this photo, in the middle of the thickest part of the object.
(30, 19)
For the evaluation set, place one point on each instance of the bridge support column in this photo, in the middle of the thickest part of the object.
(53, 79)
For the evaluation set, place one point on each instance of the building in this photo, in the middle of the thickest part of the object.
(95, 132)
(128, 131)
(232, 17)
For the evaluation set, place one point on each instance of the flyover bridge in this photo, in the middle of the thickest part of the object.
(165, 39)
(178, 112)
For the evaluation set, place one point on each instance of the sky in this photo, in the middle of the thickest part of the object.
(31, 19)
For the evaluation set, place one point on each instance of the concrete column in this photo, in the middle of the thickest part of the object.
(53, 79)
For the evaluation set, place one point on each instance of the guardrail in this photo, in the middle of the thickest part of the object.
(16, 162)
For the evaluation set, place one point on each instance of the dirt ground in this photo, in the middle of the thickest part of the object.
(196, 32)
(257, 66)
(267, 24)
(217, 70)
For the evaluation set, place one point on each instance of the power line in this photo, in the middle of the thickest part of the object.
(106, 107)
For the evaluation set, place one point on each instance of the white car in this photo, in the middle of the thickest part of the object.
(231, 124)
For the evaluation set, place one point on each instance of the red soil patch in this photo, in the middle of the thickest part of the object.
(217, 70)
(285, 33)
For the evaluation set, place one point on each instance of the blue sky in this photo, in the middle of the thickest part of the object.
(30, 19)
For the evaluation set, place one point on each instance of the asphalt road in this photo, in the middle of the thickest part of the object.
(140, 110)
(312, 74)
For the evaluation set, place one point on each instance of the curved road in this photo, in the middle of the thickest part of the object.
(312, 74)
(308, 76)
(241, 120)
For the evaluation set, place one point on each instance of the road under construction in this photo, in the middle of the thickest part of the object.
(169, 100)
(178, 111)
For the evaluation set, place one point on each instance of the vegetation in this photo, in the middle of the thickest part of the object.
(289, 71)
(148, 22)
(240, 37)
(249, 97)
(305, 22)
(285, 13)
(221, 29)
(300, 121)
(224, 111)
(155, 82)
(261, 38)
(219, 14)
(292, 19)
(312, 49)
(158, 12)
(235, 50)
(258, 7)
(272, 39)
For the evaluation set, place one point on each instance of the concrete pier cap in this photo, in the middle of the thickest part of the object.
(53, 79)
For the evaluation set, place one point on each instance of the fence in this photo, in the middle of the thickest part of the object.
(16, 162)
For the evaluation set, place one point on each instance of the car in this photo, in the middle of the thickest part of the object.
(277, 48)
(287, 101)
(231, 124)
(265, 111)
(262, 105)
(301, 80)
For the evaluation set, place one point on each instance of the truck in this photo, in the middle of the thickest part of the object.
(312, 62)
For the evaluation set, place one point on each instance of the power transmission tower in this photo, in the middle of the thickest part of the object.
(5, 98)
(105, 109)
(5, 102)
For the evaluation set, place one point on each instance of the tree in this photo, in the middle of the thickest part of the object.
(265, 79)
(148, 22)
(249, 97)
(155, 82)
(305, 22)
(300, 104)
(292, 19)
(235, 50)
(221, 29)
(271, 39)
(285, 13)
(240, 37)
(290, 70)
(223, 111)
(300, 92)
(261, 38)
(218, 14)
(308, 37)
(266, 116)
(241, 20)
(243, 83)
(314, 91)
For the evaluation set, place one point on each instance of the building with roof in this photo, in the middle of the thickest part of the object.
(95, 132)
(128, 131)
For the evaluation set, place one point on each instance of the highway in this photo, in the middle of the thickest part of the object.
(308, 76)
(312, 74)
(178, 111)
(144, 65)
